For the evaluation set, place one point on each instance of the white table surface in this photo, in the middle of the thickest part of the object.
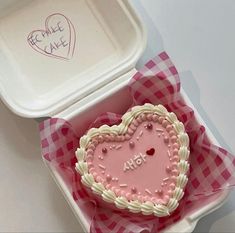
(199, 36)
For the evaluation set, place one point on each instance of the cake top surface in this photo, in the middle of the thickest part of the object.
(140, 165)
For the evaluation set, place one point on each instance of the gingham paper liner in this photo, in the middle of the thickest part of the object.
(212, 168)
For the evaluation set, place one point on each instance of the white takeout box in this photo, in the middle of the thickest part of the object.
(36, 82)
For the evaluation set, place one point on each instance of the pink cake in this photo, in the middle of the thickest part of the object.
(140, 165)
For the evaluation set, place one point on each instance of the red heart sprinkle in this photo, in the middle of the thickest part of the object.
(150, 152)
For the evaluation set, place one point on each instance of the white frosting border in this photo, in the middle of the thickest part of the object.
(148, 207)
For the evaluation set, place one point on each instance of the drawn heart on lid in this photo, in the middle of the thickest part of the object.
(120, 163)
(56, 40)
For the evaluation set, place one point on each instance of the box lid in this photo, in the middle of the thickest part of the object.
(54, 53)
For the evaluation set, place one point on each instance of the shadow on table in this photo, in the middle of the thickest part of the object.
(191, 88)
(154, 39)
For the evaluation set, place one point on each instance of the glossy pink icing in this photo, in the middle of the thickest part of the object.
(153, 176)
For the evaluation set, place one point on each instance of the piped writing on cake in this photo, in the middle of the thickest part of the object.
(134, 163)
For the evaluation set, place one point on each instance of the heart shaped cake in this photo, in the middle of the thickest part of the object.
(140, 165)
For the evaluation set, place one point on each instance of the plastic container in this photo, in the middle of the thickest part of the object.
(37, 78)
(79, 115)
(73, 59)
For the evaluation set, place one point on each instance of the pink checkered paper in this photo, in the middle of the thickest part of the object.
(212, 168)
